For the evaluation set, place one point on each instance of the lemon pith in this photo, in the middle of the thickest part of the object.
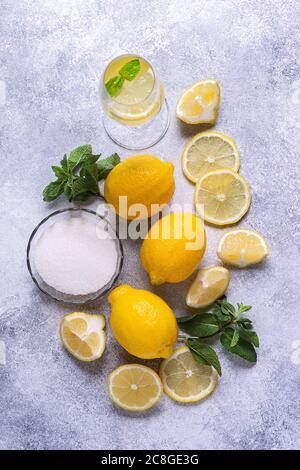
(173, 247)
(209, 285)
(222, 197)
(83, 335)
(184, 380)
(142, 179)
(142, 322)
(242, 247)
(134, 387)
(208, 151)
(199, 103)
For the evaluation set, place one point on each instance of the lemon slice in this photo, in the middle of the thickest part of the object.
(184, 379)
(83, 335)
(242, 247)
(209, 151)
(134, 387)
(199, 103)
(222, 197)
(210, 284)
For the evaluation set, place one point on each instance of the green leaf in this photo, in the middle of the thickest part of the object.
(235, 339)
(106, 165)
(59, 172)
(244, 323)
(201, 325)
(250, 336)
(130, 70)
(53, 190)
(243, 308)
(202, 352)
(243, 348)
(114, 85)
(220, 315)
(77, 155)
(186, 318)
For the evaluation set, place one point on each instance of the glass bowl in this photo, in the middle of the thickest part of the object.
(64, 214)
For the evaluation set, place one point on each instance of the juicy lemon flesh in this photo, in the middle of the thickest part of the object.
(135, 387)
(184, 379)
(243, 248)
(210, 284)
(209, 152)
(79, 339)
(222, 197)
(199, 103)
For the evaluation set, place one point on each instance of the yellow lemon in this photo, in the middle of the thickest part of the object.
(210, 284)
(242, 247)
(173, 247)
(83, 335)
(142, 322)
(140, 180)
(199, 103)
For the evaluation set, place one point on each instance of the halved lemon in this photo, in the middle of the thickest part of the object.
(222, 197)
(199, 103)
(134, 387)
(83, 335)
(242, 247)
(208, 151)
(210, 284)
(184, 379)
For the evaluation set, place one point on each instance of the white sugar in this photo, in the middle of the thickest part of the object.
(75, 257)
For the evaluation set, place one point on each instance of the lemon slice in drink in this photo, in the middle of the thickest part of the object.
(222, 197)
(184, 379)
(210, 284)
(134, 387)
(242, 247)
(199, 103)
(208, 151)
(83, 335)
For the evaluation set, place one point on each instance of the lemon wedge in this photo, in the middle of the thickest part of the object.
(242, 247)
(134, 387)
(184, 379)
(222, 197)
(210, 284)
(208, 151)
(83, 335)
(199, 103)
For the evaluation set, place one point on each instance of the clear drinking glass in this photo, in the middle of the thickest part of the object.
(137, 116)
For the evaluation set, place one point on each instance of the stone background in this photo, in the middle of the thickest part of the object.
(52, 55)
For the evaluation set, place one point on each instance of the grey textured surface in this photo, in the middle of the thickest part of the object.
(52, 54)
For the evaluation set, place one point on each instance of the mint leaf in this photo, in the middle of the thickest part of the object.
(114, 85)
(130, 70)
(77, 154)
(243, 308)
(235, 339)
(186, 318)
(243, 348)
(204, 354)
(201, 325)
(106, 165)
(59, 172)
(53, 190)
(250, 336)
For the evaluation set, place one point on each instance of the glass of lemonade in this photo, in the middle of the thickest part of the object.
(136, 114)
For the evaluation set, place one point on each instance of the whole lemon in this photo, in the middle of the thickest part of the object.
(142, 322)
(145, 180)
(173, 247)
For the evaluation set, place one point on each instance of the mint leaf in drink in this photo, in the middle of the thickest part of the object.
(130, 70)
(114, 85)
(204, 354)
(243, 348)
(106, 165)
(201, 325)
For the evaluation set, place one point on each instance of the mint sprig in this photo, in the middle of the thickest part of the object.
(128, 72)
(225, 321)
(78, 175)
